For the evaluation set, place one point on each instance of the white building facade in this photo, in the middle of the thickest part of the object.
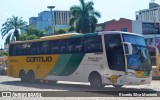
(150, 19)
(149, 15)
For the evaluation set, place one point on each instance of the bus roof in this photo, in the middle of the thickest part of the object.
(120, 32)
(56, 37)
(73, 35)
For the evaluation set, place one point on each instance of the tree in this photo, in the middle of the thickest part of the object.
(62, 31)
(31, 33)
(4, 53)
(71, 29)
(84, 16)
(11, 28)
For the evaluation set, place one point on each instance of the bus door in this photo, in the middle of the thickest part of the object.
(115, 57)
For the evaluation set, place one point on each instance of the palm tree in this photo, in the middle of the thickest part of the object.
(84, 16)
(11, 28)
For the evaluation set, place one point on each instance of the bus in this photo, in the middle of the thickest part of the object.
(155, 60)
(105, 58)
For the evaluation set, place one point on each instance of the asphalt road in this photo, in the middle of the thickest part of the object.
(73, 90)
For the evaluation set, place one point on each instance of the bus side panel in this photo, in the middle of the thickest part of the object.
(85, 64)
(38, 63)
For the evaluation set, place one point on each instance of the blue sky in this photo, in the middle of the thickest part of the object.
(109, 9)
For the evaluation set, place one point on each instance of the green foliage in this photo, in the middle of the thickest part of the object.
(62, 31)
(3, 53)
(32, 37)
(84, 17)
(11, 28)
(31, 33)
(71, 29)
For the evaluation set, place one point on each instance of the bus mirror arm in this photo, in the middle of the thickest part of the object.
(129, 46)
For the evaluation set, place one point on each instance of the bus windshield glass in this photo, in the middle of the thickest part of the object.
(140, 58)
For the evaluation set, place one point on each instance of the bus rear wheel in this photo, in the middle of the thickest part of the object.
(23, 76)
(31, 77)
(96, 80)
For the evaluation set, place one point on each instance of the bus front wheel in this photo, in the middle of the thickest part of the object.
(96, 80)
(31, 76)
(23, 76)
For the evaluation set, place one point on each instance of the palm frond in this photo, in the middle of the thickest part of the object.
(7, 41)
(11, 27)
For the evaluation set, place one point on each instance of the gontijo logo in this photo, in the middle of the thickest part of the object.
(39, 59)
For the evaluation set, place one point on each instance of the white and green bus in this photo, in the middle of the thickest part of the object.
(105, 58)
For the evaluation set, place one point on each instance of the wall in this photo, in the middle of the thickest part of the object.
(137, 27)
(117, 25)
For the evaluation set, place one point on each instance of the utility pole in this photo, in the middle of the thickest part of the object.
(154, 32)
(53, 25)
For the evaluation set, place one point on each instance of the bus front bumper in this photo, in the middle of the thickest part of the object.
(132, 80)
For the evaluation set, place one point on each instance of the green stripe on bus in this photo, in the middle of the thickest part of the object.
(60, 64)
(72, 64)
(84, 35)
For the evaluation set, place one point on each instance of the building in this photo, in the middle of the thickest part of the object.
(152, 14)
(123, 24)
(44, 20)
(148, 29)
(33, 22)
(150, 19)
(99, 27)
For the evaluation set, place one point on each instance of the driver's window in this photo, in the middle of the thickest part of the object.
(114, 52)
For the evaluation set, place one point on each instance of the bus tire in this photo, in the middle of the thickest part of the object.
(96, 80)
(23, 76)
(31, 76)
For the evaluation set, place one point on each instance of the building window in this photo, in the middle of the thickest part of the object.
(124, 29)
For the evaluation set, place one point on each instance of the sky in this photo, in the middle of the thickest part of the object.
(109, 9)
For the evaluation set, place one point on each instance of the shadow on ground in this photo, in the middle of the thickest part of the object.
(80, 90)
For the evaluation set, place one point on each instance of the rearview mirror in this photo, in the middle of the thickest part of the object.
(128, 47)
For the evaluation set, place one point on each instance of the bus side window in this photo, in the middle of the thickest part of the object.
(31, 48)
(11, 50)
(93, 44)
(54, 47)
(44, 47)
(62, 46)
(74, 45)
(22, 49)
(15, 50)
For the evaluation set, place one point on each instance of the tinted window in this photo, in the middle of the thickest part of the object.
(74, 45)
(22, 49)
(13, 50)
(58, 46)
(124, 29)
(43, 47)
(32, 48)
(93, 44)
(114, 51)
(136, 40)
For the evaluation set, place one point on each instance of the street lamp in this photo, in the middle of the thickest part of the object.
(51, 8)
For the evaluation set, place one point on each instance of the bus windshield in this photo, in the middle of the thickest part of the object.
(140, 58)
